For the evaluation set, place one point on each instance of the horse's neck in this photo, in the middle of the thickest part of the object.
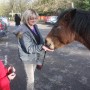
(81, 40)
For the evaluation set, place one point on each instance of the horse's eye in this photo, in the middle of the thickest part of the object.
(59, 28)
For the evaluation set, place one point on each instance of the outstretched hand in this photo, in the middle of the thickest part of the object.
(47, 49)
(11, 76)
(11, 73)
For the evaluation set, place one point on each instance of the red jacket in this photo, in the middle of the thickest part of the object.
(4, 81)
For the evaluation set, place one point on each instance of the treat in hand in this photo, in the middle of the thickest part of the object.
(11, 69)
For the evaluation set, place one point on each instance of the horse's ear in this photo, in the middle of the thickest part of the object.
(69, 15)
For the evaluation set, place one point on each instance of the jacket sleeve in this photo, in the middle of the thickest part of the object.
(4, 81)
(29, 44)
(4, 84)
(16, 31)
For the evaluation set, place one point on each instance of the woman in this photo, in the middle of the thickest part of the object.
(5, 76)
(30, 45)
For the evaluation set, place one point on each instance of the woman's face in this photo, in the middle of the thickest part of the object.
(32, 21)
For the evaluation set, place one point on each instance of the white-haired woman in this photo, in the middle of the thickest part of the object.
(30, 44)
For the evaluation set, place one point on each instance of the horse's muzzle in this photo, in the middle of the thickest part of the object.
(47, 44)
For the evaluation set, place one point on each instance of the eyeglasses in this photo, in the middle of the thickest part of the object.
(32, 18)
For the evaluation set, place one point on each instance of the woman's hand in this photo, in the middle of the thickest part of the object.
(11, 73)
(47, 49)
(11, 76)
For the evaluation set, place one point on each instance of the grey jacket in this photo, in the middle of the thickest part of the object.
(29, 50)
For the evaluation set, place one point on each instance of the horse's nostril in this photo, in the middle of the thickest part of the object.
(45, 41)
(49, 45)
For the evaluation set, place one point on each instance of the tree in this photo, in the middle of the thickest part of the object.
(51, 6)
(18, 6)
(83, 4)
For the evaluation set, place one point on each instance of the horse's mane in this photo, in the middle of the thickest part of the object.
(80, 22)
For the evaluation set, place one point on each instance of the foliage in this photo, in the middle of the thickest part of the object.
(43, 7)
(83, 4)
(51, 6)
(18, 6)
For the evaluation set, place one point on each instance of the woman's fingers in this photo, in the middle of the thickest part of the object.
(11, 76)
(47, 49)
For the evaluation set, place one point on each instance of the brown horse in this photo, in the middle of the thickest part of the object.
(72, 25)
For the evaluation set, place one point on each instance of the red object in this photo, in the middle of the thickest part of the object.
(1, 26)
(39, 67)
(4, 81)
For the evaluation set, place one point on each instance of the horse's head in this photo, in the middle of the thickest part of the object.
(61, 34)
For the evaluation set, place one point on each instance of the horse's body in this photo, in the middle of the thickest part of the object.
(72, 25)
